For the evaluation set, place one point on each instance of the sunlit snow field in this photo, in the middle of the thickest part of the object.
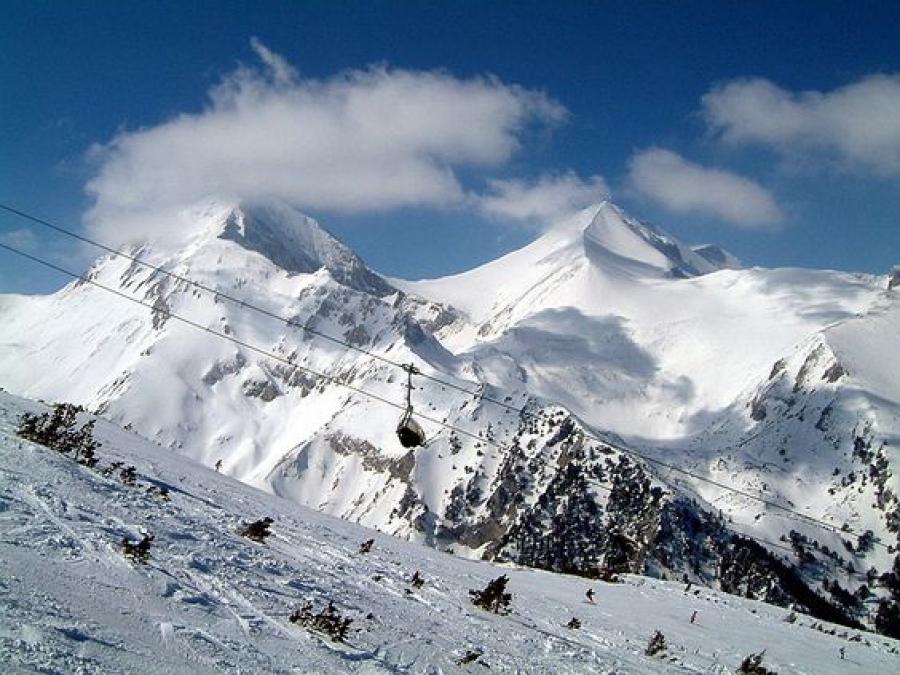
(211, 601)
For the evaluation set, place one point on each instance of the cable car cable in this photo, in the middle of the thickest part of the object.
(627, 451)
(291, 323)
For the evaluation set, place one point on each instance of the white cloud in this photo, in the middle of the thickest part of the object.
(22, 239)
(364, 140)
(282, 71)
(859, 124)
(543, 200)
(685, 187)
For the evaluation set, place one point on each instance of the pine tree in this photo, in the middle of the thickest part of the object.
(752, 665)
(887, 618)
(138, 552)
(85, 445)
(257, 531)
(57, 431)
(470, 656)
(493, 597)
(656, 645)
(128, 475)
(328, 621)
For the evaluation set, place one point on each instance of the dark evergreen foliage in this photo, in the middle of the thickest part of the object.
(137, 551)
(887, 619)
(57, 430)
(749, 570)
(257, 531)
(470, 656)
(891, 580)
(328, 621)
(566, 530)
(656, 644)
(752, 665)
(640, 531)
(128, 475)
(160, 491)
(866, 542)
(493, 597)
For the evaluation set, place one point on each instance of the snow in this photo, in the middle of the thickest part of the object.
(211, 601)
(651, 355)
(643, 340)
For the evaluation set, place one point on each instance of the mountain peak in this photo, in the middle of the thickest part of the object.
(288, 238)
(613, 237)
(293, 241)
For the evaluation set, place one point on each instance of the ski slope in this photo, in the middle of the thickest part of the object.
(210, 601)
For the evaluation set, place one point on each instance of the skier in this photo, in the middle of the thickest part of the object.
(218, 465)
(590, 596)
(694, 616)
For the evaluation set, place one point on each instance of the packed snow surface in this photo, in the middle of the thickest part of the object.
(210, 601)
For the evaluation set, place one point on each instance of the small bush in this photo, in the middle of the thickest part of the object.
(139, 551)
(161, 492)
(574, 624)
(471, 656)
(112, 468)
(493, 597)
(128, 475)
(327, 621)
(257, 531)
(656, 645)
(752, 665)
(366, 546)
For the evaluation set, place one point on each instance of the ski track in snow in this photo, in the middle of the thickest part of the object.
(211, 601)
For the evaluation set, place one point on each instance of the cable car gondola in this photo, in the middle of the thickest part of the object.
(409, 431)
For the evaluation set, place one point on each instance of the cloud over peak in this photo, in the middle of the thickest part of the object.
(683, 186)
(543, 200)
(364, 140)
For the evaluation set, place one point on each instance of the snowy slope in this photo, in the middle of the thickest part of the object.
(185, 388)
(776, 390)
(210, 601)
(595, 300)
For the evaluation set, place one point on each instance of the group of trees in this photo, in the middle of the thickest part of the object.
(58, 430)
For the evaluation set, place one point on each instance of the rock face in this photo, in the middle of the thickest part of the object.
(605, 400)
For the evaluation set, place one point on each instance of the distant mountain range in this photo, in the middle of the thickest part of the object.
(604, 399)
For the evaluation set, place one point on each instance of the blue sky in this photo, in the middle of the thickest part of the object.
(433, 137)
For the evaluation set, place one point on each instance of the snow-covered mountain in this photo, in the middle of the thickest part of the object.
(207, 600)
(633, 404)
